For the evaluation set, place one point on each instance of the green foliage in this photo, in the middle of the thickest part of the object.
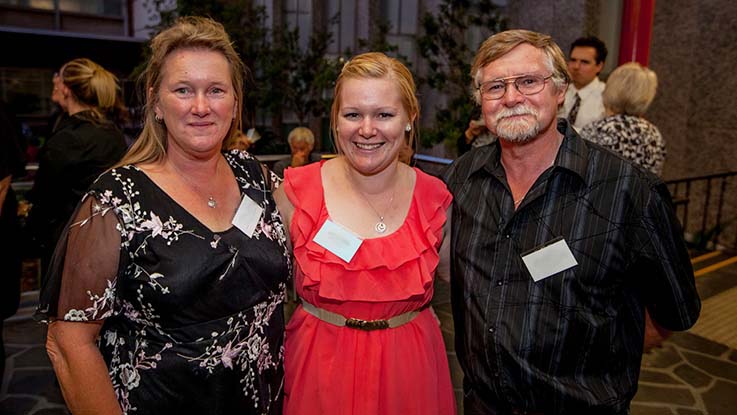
(310, 74)
(445, 46)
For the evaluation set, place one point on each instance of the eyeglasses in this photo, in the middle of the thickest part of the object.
(525, 84)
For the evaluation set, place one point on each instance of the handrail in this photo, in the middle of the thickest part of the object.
(706, 199)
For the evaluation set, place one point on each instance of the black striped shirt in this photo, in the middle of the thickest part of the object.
(572, 341)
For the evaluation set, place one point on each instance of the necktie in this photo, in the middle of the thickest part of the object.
(574, 110)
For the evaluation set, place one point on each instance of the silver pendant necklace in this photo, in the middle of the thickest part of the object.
(380, 226)
(211, 202)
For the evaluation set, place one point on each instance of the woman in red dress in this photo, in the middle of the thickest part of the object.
(366, 230)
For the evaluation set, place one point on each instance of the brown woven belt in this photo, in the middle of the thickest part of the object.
(354, 323)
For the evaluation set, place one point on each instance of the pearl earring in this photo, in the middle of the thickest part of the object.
(408, 128)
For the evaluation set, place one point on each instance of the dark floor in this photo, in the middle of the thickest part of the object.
(690, 374)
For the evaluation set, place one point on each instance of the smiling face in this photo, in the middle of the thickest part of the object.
(516, 117)
(196, 100)
(371, 123)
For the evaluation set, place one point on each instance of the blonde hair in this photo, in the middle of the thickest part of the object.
(500, 44)
(301, 135)
(91, 85)
(630, 89)
(377, 65)
(186, 33)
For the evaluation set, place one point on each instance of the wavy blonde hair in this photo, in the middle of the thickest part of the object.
(186, 33)
(377, 65)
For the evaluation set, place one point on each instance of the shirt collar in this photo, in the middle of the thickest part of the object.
(589, 88)
(572, 154)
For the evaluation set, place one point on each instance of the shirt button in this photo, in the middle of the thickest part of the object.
(499, 282)
(506, 236)
(492, 329)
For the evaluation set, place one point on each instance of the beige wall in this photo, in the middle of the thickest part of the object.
(693, 52)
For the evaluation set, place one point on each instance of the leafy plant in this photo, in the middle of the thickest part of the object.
(445, 46)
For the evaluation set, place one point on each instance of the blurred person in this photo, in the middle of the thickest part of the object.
(476, 135)
(583, 100)
(11, 165)
(301, 143)
(176, 258)
(629, 92)
(558, 249)
(239, 142)
(366, 231)
(84, 144)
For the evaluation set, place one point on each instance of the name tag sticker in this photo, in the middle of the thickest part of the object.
(549, 259)
(338, 240)
(247, 216)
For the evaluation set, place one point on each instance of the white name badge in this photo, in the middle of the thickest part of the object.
(338, 240)
(549, 259)
(247, 216)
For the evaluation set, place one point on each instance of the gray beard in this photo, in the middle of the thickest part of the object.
(518, 132)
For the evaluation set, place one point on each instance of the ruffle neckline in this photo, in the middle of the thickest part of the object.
(389, 268)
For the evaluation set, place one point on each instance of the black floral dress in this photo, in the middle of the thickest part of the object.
(193, 319)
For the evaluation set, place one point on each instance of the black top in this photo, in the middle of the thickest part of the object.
(572, 342)
(71, 160)
(193, 319)
(12, 160)
(11, 164)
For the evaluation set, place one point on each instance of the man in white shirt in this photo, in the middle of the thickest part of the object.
(583, 103)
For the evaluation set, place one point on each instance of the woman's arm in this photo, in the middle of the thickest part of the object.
(80, 368)
(443, 271)
(286, 209)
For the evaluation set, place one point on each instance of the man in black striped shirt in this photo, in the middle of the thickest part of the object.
(557, 248)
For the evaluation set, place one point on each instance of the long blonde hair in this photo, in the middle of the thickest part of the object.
(185, 33)
(377, 65)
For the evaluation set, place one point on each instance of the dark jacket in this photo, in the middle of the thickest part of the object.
(78, 152)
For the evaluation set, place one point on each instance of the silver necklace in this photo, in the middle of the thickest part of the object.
(380, 226)
(211, 202)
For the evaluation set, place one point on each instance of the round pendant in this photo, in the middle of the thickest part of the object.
(211, 203)
(380, 227)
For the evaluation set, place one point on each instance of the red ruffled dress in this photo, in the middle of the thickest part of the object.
(341, 370)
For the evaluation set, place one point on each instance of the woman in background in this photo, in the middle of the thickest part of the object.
(176, 258)
(301, 143)
(366, 230)
(85, 143)
(630, 89)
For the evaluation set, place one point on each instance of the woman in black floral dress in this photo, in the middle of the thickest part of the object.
(165, 293)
